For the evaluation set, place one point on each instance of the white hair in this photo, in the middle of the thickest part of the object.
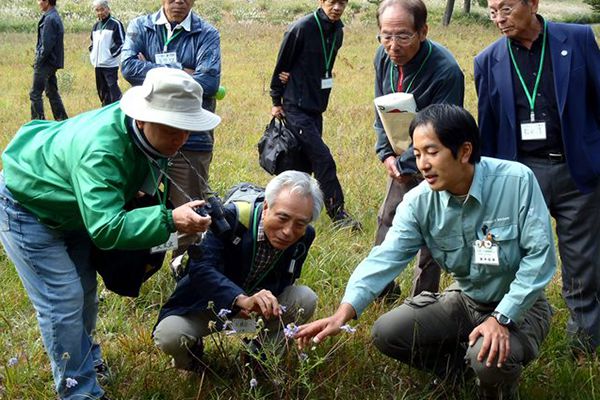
(299, 183)
(100, 3)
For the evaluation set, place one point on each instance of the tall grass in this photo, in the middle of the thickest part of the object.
(355, 370)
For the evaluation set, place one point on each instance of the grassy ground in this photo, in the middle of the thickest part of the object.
(344, 368)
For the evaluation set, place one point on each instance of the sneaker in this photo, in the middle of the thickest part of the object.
(343, 220)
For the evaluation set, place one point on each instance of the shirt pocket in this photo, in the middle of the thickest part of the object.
(451, 253)
(506, 238)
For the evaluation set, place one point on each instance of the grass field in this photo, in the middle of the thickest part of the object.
(347, 367)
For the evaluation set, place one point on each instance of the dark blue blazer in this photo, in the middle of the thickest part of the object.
(576, 64)
(219, 274)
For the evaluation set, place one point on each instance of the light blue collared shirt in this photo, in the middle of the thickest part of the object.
(504, 199)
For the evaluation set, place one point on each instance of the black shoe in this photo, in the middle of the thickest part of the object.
(102, 373)
(343, 220)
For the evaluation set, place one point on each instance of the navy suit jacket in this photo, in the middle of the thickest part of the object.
(576, 65)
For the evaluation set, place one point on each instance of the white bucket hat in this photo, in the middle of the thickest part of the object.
(170, 97)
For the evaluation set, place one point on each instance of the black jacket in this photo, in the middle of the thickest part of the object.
(50, 50)
(301, 54)
(222, 269)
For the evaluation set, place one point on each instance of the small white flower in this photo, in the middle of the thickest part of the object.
(71, 383)
(253, 383)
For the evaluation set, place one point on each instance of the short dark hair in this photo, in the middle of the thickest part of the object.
(52, 2)
(416, 8)
(453, 125)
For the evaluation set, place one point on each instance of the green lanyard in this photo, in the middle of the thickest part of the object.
(414, 77)
(173, 36)
(530, 96)
(329, 57)
(163, 201)
(254, 247)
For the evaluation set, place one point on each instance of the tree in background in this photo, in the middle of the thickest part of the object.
(595, 4)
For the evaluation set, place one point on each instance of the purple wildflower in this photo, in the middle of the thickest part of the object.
(13, 361)
(303, 357)
(290, 330)
(347, 328)
(253, 383)
(71, 383)
(282, 308)
(223, 313)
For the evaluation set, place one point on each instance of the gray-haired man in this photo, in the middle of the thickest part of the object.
(252, 272)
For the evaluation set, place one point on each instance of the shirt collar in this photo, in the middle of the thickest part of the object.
(186, 24)
(475, 191)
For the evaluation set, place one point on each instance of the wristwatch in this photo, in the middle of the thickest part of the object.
(502, 319)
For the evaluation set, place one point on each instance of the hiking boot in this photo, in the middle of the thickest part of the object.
(343, 220)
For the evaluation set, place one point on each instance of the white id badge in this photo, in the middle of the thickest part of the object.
(326, 83)
(170, 244)
(166, 58)
(533, 130)
(241, 325)
(486, 253)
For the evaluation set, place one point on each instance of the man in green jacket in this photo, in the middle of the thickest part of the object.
(63, 190)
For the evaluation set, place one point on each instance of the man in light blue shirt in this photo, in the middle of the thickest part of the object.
(486, 223)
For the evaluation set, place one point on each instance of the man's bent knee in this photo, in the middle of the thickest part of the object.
(491, 376)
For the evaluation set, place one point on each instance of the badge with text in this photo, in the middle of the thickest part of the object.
(170, 244)
(486, 252)
(326, 83)
(242, 325)
(166, 58)
(535, 130)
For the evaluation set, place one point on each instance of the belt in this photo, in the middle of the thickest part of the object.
(554, 157)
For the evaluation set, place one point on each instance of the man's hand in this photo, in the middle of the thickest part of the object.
(186, 219)
(284, 77)
(496, 341)
(322, 328)
(277, 112)
(392, 170)
(263, 302)
(141, 57)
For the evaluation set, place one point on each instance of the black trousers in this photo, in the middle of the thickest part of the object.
(44, 79)
(106, 84)
(309, 127)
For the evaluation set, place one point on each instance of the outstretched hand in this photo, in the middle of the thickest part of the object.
(317, 331)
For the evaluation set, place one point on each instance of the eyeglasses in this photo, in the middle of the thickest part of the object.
(503, 12)
(403, 38)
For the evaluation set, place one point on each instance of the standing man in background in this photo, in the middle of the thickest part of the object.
(49, 56)
(306, 59)
(106, 43)
(408, 62)
(176, 37)
(539, 103)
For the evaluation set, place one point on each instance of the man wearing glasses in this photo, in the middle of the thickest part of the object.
(539, 103)
(300, 87)
(408, 62)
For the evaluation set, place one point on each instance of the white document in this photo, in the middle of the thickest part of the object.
(396, 111)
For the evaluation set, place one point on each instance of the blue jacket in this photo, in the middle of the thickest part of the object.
(576, 65)
(224, 265)
(50, 49)
(199, 49)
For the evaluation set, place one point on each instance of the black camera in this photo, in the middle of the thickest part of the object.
(214, 208)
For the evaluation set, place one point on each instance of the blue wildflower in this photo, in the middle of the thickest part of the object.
(290, 330)
(223, 313)
(347, 328)
(282, 308)
(253, 383)
(13, 361)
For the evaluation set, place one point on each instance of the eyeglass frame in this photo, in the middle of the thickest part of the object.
(503, 12)
(402, 38)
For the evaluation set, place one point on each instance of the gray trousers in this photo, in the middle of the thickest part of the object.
(577, 216)
(427, 271)
(177, 334)
(430, 332)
